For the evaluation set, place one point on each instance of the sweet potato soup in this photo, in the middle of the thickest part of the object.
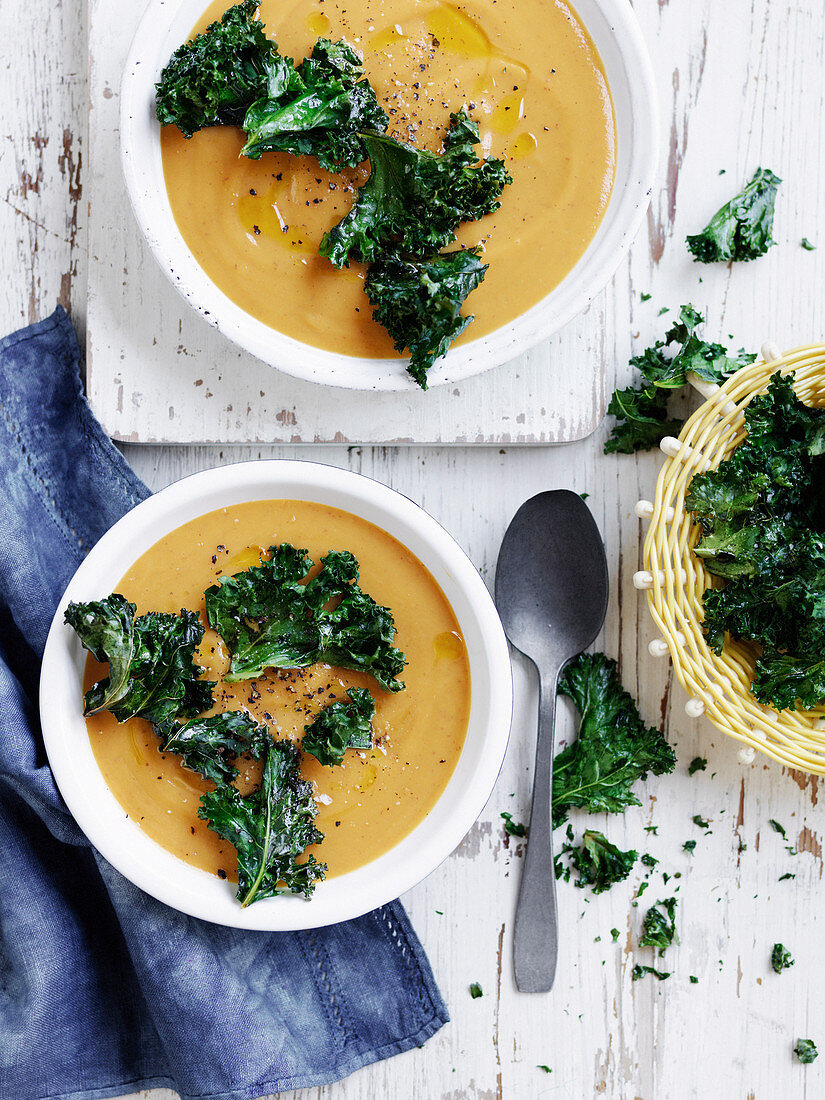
(528, 73)
(377, 796)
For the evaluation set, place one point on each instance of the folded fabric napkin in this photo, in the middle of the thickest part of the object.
(103, 990)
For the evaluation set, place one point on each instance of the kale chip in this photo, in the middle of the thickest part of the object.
(762, 520)
(269, 828)
(152, 671)
(741, 230)
(806, 1051)
(270, 618)
(419, 302)
(659, 925)
(614, 747)
(781, 958)
(340, 726)
(599, 863)
(642, 411)
(414, 200)
(209, 745)
(317, 109)
(214, 79)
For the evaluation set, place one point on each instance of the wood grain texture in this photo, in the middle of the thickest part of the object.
(159, 373)
(740, 85)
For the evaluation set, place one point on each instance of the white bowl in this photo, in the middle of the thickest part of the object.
(615, 32)
(146, 863)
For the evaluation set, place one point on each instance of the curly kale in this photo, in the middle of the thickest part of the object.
(614, 748)
(781, 958)
(270, 618)
(269, 828)
(340, 726)
(419, 302)
(659, 925)
(414, 200)
(642, 411)
(214, 79)
(152, 670)
(762, 524)
(317, 109)
(741, 230)
(599, 863)
(209, 745)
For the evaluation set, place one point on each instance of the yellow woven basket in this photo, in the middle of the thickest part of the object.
(675, 579)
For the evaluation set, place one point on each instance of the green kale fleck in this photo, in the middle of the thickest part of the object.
(741, 229)
(806, 244)
(697, 764)
(781, 958)
(269, 618)
(694, 980)
(777, 828)
(476, 991)
(645, 297)
(614, 934)
(269, 828)
(642, 412)
(418, 301)
(209, 745)
(340, 726)
(689, 846)
(513, 828)
(654, 829)
(319, 108)
(659, 925)
(614, 748)
(599, 863)
(214, 79)
(152, 670)
(639, 971)
(545, 1068)
(761, 526)
(700, 821)
(649, 860)
(806, 1051)
(414, 200)
(785, 876)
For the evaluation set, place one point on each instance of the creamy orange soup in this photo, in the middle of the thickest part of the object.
(529, 73)
(376, 797)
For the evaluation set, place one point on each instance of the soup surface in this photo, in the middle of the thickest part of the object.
(376, 797)
(529, 74)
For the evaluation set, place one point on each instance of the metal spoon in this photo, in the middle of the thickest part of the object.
(551, 594)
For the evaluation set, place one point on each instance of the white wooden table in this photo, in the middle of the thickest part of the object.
(740, 85)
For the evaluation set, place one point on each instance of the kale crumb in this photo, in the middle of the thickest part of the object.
(806, 1051)
(777, 828)
(689, 846)
(639, 971)
(545, 1068)
(697, 764)
(694, 980)
(645, 297)
(806, 244)
(614, 933)
(781, 958)
(513, 828)
(476, 991)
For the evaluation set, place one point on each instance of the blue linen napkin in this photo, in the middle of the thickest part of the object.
(103, 990)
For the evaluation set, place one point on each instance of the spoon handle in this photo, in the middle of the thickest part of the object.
(535, 938)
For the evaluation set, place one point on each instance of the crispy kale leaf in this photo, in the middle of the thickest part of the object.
(741, 230)
(642, 411)
(270, 618)
(659, 925)
(414, 200)
(152, 671)
(419, 302)
(209, 745)
(214, 79)
(761, 520)
(340, 726)
(781, 958)
(614, 747)
(806, 1051)
(599, 863)
(316, 109)
(269, 828)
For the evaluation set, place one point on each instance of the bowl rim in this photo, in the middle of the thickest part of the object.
(198, 893)
(627, 206)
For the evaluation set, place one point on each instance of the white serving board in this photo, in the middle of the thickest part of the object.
(158, 373)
